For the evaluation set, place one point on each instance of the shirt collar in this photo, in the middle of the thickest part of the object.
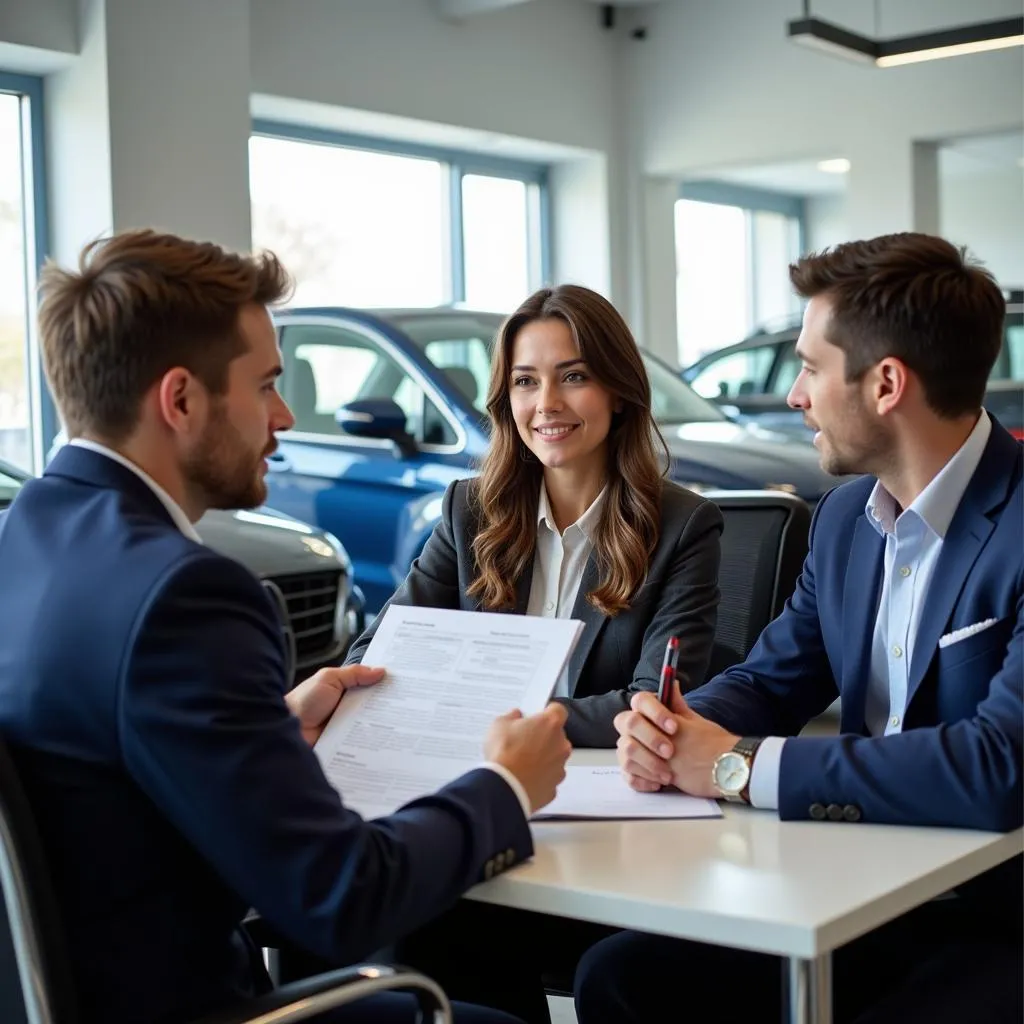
(937, 503)
(174, 510)
(586, 524)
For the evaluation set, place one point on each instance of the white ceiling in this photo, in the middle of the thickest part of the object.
(958, 158)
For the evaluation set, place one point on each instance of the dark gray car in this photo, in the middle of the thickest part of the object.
(306, 571)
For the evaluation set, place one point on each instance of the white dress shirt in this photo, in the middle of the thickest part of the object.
(183, 523)
(558, 565)
(913, 541)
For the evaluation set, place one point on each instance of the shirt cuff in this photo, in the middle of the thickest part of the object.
(514, 784)
(764, 775)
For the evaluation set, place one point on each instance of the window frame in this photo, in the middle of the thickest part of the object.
(751, 201)
(456, 164)
(43, 420)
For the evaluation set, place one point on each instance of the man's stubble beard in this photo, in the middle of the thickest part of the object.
(222, 469)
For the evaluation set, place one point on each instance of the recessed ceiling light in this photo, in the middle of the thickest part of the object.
(840, 165)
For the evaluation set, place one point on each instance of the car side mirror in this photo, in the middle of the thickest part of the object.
(377, 417)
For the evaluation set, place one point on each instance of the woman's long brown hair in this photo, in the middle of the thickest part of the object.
(508, 487)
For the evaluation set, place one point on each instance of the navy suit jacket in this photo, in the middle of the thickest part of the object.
(142, 681)
(958, 761)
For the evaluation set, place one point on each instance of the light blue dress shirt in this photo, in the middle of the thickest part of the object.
(913, 541)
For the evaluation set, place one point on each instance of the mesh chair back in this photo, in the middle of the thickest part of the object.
(763, 549)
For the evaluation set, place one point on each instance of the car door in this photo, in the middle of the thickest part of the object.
(738, 379)
(363, 490)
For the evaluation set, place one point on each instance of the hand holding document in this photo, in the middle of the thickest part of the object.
(449, 675)
(601, 792)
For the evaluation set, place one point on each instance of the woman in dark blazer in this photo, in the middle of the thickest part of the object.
(571, 515)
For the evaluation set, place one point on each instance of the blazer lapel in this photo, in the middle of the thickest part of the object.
(860, 610)
(593, 619)
(969, 530)
(523, 585)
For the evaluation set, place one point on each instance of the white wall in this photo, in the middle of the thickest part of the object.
(541, 70)
(986, 213)
(48, 25)
(826, 222)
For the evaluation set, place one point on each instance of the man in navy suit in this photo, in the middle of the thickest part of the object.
(910, 608)
(142, 676)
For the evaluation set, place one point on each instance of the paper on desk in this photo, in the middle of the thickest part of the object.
(601, 792)
(449, 675)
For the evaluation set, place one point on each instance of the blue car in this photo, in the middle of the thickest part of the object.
(390, 408)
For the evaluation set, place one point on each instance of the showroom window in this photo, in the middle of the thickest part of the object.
(362, 223)
(21, 229)
(733, 250)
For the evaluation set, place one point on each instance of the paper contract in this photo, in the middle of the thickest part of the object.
(449, 675)
(601, 792)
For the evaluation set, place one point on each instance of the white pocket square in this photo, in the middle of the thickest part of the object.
(967, 631)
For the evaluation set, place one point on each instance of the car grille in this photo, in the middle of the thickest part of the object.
(312, 601)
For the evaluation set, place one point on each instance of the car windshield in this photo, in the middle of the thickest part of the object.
(460, 344)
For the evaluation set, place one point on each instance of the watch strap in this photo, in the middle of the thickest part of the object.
(747, 747)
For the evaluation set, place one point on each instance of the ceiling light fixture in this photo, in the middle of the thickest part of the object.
(887, 53)
(838, 165)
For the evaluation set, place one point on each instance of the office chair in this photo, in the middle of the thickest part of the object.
(764, 545)
(36, 983)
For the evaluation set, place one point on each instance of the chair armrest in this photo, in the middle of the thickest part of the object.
(310, 997)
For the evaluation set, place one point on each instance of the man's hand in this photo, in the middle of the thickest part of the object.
(313, 701)
(533, 749)
(661, 746)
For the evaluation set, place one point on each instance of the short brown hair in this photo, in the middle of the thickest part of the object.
(917, 298)
(140, 304)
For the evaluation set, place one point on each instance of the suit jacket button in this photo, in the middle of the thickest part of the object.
(851, 813)
(510, 857)
(499, 862)
(489, 870)
(834, 812)
(817, 812)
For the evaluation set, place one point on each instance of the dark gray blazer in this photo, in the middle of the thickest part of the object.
(615, 657)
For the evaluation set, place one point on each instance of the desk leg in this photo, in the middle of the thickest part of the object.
(807, 990)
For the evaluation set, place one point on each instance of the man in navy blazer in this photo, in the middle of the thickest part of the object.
(910, 608)
(142, 676)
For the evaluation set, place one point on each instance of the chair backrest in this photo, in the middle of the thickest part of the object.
(763, 549)
(462, 377)
(36, 985)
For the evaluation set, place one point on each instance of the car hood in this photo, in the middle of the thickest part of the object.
(733, 455)
(271, 543)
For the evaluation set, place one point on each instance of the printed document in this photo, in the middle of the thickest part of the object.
(601, 792)
(449, 675)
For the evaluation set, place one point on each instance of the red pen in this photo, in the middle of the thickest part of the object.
(668, 671)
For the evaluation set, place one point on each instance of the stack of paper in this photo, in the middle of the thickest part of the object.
(591, 792)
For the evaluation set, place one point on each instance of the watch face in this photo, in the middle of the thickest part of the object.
(731, 773)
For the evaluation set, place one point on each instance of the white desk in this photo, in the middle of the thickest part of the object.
(795, 889)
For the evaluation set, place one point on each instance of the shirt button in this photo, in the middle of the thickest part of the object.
(897, 651)
(895, 720)
(549, 606)
(905, 571)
